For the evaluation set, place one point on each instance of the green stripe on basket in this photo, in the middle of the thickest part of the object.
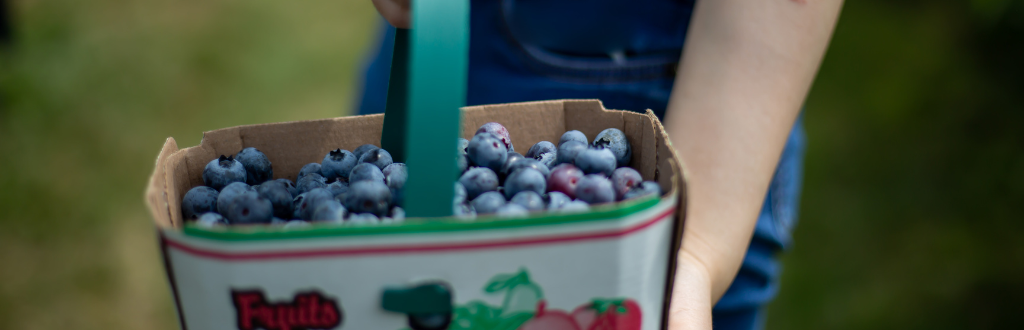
(418, 226)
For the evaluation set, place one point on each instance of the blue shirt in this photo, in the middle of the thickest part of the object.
(624, 53)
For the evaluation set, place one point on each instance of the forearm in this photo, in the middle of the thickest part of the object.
(746, 68)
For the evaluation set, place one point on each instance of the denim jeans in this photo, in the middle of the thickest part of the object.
(503, 67)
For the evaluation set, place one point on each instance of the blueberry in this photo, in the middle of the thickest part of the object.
(309, 169)
(531, 163)
(624, 179)
(363, 219)
(337, 188)
(277, 193)
(198, 200)
(596, 161)
(486, 150)
(463, 211)
(307, 202)
(378, 157)
(277, 221)
(365, 171)
(395, 175)
(488, 202)
(257, 166)
(567, 152)
(500, 131)
(329, 211)
(574, 207)
(525, 179)
(564, 179)
(229, 193)
(290, 186)
(511, 210)
(249, 208)
(460, 193)
(397, 214)
(337, 164)
(463, 162)
(541, 148)
(530, 200)
(557, 200)
(510, 159)
(211, 219)
(549, 159)
(463, 143)
(363, 149)
(223, 171)
(644, 189)
(616, 141)
(573, 135)
(478, 180)
(595, 189)
(397, 197)
(368, 196)
(311, 181)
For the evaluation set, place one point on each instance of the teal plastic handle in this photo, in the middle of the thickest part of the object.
(426, 89)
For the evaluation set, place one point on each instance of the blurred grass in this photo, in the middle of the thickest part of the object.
(915, 169)
(88, 93)
(911, 214)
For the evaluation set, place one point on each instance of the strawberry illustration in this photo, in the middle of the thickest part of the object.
(609, 314)
(552, 319)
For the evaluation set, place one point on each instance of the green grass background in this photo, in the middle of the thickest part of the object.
(911, 216)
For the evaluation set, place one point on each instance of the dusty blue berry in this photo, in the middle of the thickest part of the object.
(615, 140)
(198, 200)
(222, 171)
(337, 164)
(478, 180)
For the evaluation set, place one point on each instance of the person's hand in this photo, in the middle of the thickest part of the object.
(395, 12)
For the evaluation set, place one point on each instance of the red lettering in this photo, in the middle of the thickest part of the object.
(307, 310)
(244, 303)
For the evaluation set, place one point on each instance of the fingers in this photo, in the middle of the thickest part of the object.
(395, 12)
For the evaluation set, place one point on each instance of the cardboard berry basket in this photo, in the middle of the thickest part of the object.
(609, 268)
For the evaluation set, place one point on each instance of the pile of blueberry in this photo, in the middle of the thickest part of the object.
(365, 186)
(564, 178)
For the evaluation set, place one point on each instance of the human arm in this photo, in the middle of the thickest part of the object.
(395, 12)
(746, 68)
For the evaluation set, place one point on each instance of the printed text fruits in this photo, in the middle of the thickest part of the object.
(551, 319)
(500, 131)
(609, 314)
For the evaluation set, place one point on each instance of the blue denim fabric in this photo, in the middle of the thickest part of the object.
(510, 65)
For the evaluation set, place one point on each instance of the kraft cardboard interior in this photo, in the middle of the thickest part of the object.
(291, 145)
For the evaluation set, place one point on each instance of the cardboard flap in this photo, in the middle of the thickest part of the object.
(156, 192)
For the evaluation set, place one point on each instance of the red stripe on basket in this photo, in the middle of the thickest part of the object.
(241, 256)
